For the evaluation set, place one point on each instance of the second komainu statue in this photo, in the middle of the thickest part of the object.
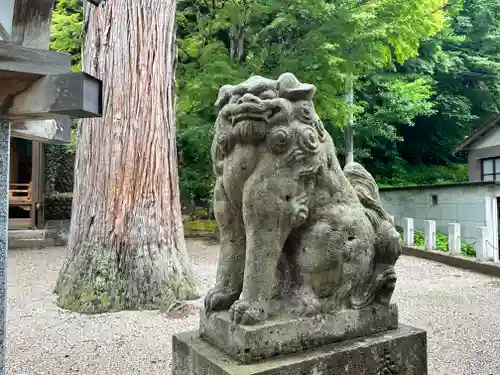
(299, 235)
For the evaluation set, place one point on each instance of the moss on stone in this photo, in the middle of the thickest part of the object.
(93, 283)
(200, 226)
(200, 213)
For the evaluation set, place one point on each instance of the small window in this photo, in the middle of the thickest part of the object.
(488, 166)
(490, 169)
(434, 200)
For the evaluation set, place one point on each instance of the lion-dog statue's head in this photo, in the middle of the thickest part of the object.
(264, 110)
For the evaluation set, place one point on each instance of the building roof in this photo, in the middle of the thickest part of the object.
(478, 134)
(439, 186)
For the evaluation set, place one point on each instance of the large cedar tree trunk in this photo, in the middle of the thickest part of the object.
(126, 247)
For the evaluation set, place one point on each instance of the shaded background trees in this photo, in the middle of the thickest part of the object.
(426, 73)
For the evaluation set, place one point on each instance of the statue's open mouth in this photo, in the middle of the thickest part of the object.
(261, 117)
(251, 114)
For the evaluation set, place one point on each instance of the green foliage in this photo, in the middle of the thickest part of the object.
(58, 207)
(66, 36)
(407, 174)
(195, 176)
(195, 227)
(426, 73)
(322, 42)
(463, 61)
(442, 243)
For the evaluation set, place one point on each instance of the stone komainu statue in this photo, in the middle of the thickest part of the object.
(298, 234)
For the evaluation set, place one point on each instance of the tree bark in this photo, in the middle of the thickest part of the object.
(126, 247)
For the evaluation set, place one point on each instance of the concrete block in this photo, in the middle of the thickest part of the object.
(482, 244)
(408, 232)
(454, 242)
(464, 262)
(430, 235)
(402, 351)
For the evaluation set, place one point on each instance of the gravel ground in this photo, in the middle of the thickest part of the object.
(457, 309)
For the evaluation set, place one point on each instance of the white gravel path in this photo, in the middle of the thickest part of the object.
(458, 309)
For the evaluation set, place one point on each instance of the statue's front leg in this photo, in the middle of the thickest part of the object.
(268, 213)
(230, 267)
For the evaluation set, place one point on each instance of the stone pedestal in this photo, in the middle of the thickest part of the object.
(277, 337)
(402, 351)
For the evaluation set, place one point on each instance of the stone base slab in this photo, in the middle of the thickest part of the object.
(250, 343)
(402, 351)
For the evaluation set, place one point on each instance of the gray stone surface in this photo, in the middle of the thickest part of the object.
(4, 222)
(297, 232)
(31, 239)
(56, 233)
(455, 307)
(250, 343)
(58, 230)
(401, 351)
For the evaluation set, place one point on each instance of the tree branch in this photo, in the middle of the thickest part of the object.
(186, 52)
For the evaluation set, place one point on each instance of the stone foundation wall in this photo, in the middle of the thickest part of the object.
(57, 231)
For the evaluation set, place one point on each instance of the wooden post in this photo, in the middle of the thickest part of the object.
(25, 65)
(59, 95)
(31, 23)
(41, 173)
(36, 181)
(46, 131)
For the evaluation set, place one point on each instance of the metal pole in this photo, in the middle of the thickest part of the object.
(4, 220)
(349, 130)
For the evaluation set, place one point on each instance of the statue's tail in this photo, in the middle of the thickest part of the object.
(367, 191)
(387, 245)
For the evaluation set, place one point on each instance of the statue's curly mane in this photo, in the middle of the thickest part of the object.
(265, 104)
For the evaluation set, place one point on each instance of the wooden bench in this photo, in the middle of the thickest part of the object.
(20, 195)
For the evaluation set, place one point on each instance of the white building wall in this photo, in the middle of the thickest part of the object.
(470, 205)
(491, 140)
(6, 11)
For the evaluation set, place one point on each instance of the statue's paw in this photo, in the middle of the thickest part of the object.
(306, 306)
(305, 302)
(247, 313)
(218, 299)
